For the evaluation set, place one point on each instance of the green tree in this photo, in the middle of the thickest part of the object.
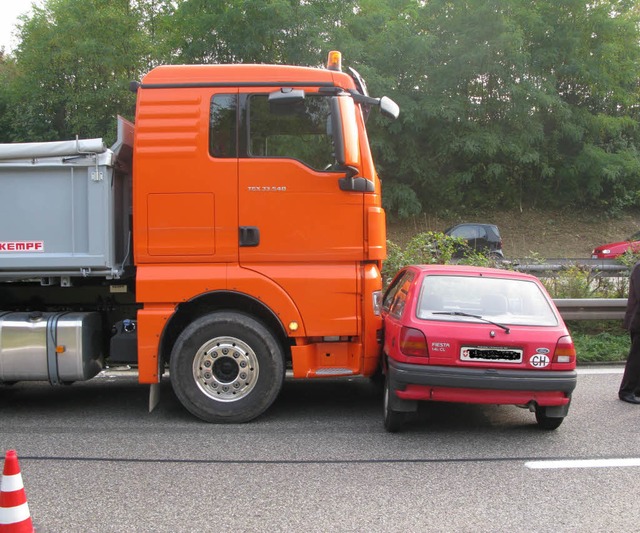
(504, 104)
(73, 67)
(507, 104)
(7, 73)
(293, 32)
(587, 56)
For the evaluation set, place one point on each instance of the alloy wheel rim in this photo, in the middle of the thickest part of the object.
(226, 369)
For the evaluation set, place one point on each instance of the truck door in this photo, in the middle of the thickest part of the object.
(296, 224)
(291, 205)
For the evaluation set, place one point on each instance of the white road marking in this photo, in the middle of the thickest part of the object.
(584, 463)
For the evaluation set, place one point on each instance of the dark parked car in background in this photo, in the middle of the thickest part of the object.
(483, 238)
(616, 249)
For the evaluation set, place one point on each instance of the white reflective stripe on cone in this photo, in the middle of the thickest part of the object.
(13, 515)
(11, 483)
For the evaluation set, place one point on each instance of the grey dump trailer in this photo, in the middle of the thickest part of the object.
(65, 258)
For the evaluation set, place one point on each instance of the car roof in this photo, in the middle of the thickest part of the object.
(469, 270)
(474, 224)
(482, 224)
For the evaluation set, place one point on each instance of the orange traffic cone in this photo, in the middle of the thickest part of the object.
(14, 510)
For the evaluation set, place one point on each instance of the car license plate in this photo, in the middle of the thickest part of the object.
(491, 353)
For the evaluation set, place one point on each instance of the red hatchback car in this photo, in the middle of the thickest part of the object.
(474, 335)
(616, 249)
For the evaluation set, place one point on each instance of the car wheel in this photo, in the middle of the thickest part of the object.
(227, 367)
(393, 420)
(547, 422)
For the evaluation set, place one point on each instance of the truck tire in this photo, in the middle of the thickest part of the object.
(227, 367)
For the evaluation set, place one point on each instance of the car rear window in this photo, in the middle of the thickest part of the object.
(507, 301)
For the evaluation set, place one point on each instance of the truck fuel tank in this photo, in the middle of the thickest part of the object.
(55, 347)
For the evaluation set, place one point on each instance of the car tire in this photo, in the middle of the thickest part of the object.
(547, 422)
(393, 420)
(227, 367)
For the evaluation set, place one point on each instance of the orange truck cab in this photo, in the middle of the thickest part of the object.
(257, 234)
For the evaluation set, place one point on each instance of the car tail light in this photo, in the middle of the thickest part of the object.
(565, 350)
(413, 342)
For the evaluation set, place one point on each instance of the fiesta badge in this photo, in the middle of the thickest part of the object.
(539, 360)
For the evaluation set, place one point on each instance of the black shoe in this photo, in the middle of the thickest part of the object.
(629, 397)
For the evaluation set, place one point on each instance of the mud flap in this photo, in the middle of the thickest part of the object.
(154, 396)
(557, 411)
(400, 405)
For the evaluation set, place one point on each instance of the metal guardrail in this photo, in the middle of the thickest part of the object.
(583, 308)
(591, 308)
(604, 267)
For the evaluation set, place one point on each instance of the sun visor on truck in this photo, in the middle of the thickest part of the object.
(52, 149)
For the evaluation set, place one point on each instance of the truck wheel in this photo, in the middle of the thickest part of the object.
(393, 420)
(227, 367)
(547, 422)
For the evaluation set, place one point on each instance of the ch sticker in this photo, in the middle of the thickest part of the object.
(539, 360)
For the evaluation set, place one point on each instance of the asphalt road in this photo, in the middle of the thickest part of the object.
(94, 460)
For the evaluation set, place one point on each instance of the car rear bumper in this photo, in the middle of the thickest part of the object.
(480, 385)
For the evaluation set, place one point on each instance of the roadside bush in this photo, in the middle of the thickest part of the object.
(578, 281)
(571, 283)
(601, 348)
(599, 340)
(428, 248)
(629, 259)
(431, 248)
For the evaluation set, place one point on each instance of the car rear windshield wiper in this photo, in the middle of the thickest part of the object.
(461, 313)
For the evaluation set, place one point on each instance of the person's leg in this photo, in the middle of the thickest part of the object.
(630, 383)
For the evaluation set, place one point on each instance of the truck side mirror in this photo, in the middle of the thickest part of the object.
(389, 108)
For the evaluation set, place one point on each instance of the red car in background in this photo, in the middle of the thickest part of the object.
(474, 335)
(616, 249)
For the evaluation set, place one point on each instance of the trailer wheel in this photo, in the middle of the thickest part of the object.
(227, 367)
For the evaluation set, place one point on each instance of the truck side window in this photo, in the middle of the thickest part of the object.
(301, 131)
(223, 125)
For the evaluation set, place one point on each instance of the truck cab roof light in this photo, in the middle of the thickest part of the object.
(334, 61)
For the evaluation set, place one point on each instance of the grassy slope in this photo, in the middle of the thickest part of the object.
(547, 234)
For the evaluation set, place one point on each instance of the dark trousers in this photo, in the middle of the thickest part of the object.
(631, 377)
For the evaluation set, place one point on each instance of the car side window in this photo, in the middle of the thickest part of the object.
(391, 292)
(467, 232)
(396, 298)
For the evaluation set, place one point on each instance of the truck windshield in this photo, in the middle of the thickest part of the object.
(301, 131)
